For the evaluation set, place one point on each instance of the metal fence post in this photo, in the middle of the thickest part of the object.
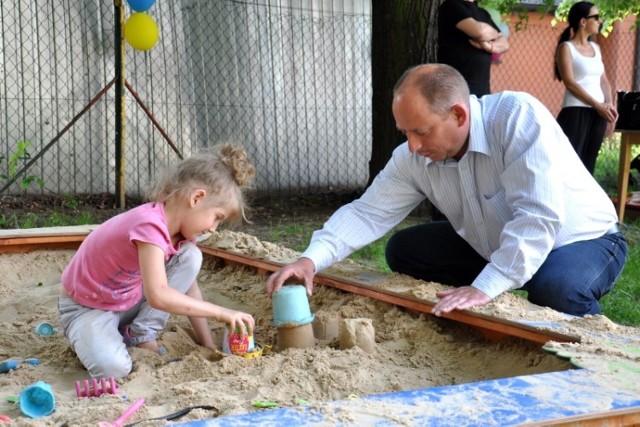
(120, 103)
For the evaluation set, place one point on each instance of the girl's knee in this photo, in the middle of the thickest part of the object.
(110, 366)
(191, 254)
(183, 269)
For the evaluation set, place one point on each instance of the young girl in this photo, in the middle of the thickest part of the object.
(139, 267)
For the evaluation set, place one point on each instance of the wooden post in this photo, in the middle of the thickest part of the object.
(120, 103)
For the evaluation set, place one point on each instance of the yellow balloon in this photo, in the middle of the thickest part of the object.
(141, 31)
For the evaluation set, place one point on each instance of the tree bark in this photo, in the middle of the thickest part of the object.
(404, 34)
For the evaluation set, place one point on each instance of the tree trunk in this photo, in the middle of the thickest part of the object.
(404, 34)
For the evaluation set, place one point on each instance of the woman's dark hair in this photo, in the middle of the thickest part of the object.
(576, 13)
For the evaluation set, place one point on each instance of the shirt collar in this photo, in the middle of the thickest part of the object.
(477, 133)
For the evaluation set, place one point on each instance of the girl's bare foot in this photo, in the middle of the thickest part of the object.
(150, 345)
(130, 340)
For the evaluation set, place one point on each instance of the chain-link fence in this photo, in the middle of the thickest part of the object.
(528, 66)
(288, 79)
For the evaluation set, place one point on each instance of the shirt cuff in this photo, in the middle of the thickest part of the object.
(317, 254)
(492, 282)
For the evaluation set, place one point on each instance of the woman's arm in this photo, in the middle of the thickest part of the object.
(608, 98)
(479, 31)
(498, 45)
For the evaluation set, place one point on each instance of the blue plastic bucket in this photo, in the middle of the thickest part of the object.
(37, 400)
(291, 307)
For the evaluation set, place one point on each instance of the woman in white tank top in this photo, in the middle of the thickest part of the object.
(587, 106)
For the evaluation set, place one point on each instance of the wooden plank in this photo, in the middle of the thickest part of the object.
(29, 239)
(491, 327)
(27, 244)
(616, 417)
(71, 230)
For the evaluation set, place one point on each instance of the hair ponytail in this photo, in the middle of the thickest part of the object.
(565, 36)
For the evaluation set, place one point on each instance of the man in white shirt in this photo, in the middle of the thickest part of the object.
(522, 210)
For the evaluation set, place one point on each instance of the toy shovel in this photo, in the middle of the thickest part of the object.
(125, 415)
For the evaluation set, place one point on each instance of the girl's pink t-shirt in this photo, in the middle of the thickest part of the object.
(105, 271)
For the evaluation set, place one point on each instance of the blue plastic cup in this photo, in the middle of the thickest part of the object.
(291, 307)
(37, 400)
(45, 329)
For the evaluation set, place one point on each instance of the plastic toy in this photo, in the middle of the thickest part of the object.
(96, 387)
(8, 365)
(126, 414)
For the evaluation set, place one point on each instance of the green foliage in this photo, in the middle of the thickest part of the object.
(70, 201)
(608, 163)
(611, 11)
(20, 155)
(510, 7)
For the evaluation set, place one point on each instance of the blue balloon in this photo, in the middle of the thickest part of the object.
(140, 5)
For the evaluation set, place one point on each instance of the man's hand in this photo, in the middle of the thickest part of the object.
(459, 299)
(302, 271)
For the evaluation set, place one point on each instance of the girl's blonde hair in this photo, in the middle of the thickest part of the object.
(224, 172)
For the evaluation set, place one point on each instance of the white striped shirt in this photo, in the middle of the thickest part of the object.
(518, 192)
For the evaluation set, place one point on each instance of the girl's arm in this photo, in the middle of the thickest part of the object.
(199, 324)
(161, 296)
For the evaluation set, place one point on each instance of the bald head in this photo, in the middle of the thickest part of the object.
(441, 85)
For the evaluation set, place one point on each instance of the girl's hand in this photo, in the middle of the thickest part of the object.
(237, 319)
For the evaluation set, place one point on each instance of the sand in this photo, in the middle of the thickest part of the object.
(407, 351)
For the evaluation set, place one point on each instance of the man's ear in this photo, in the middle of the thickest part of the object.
(197, 196)
(460, 113)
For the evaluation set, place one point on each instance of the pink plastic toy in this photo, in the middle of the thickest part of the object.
(126, 414)
(96, 387)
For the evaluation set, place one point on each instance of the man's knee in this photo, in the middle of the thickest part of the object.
(393, 253)
(564, 294)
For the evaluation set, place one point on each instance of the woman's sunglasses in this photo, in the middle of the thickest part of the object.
(596, 17)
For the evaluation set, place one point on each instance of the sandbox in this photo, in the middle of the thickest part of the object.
(492, 366)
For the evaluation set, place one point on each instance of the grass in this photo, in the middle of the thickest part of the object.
(622, 304)
(54, 219)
